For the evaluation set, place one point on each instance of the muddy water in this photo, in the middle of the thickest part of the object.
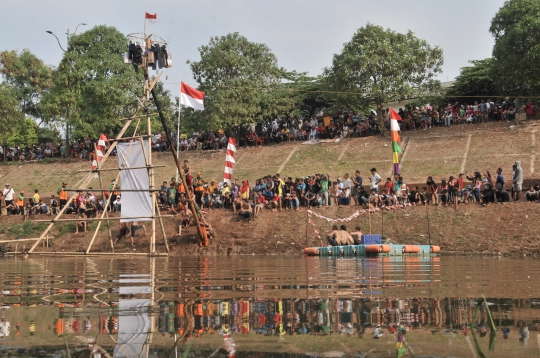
(267, 306)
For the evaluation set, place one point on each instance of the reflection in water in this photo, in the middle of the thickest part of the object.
(288, 306)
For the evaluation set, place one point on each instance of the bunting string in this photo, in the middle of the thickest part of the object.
(354, 215)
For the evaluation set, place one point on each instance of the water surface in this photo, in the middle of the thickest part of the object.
(269, 306)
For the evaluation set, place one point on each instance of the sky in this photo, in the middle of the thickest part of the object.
(303, 34)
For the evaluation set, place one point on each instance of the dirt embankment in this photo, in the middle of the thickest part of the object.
(439, 152)
(509, 229)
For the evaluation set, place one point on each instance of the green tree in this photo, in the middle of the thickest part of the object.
(28, 77)
(10, 112)
(92, 83)
(473, 80)
(516, 53)
(243, 84)
(379, 65)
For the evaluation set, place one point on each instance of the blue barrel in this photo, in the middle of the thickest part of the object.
(349, 251)
(336, 251)
(397, 250)
(360, 250)
(425, 250)
(324, 251)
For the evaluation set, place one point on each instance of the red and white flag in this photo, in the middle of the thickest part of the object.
(190, 97)
(151, 18)
(229, 161)
(100, 148)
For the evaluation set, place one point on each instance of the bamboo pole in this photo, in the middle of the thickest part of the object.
(80, 253)
(120, 169)
(18, 240)
(178, 166)
(105, 209)
(135, 117)
(109, 218)
(163, 231)
(307, 224)
(143, 136)
(120, 190)
(149, 162)
(83, 185)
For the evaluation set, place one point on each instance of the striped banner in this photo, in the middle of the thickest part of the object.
(394, 136)
(229, 161)
(99, 152)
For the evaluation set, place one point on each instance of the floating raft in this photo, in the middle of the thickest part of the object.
(372, 250)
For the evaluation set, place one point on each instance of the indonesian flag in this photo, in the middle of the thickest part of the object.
(229, 161)
(151, 18)
(100, 148)
(190, 97)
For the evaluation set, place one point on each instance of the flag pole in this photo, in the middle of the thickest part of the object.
(144, 32)
(178, 127)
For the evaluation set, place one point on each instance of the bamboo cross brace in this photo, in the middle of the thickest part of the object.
(83, 186)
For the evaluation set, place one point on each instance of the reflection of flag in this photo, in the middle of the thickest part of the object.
(394, 136)
(190, 97)
(229, 161)
(151, 18)
(100, 148)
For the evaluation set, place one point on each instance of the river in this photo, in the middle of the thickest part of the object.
(268, 306)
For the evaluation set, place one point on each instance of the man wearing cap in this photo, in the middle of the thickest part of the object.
(117, 204)
(62, 195)
(7, 193)
(198, 186)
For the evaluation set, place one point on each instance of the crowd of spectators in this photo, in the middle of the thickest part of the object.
(451, 114)
(338, 124)
(276, 192)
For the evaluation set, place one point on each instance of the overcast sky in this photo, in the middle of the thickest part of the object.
(303, 34)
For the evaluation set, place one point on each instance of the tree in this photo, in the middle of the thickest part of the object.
(516, 53)
(378, 66)
(28, 77)
(243, 84)
(473, 80)
(10, 113)
(92, 83)
(16, 128)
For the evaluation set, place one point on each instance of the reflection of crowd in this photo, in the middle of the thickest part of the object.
(362, 318)
(326, 316)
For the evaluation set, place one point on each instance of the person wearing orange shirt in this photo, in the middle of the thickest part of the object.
(62, 195)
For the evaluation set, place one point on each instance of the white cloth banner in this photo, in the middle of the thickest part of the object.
(134, 203)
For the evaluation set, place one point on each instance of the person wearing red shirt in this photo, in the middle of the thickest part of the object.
(388, 186)
(460, 187)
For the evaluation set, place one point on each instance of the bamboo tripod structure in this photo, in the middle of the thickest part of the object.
(149, 85)
(147, 152)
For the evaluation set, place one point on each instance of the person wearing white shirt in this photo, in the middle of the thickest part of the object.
(4, 328)
(375, 179)
(8, 194)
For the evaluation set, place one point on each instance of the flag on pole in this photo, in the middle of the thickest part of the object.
(151, 18)
(229, 160)
(190, 97)
(100, 148)
(394, 136)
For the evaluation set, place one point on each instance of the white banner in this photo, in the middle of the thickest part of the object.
(134, 203)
